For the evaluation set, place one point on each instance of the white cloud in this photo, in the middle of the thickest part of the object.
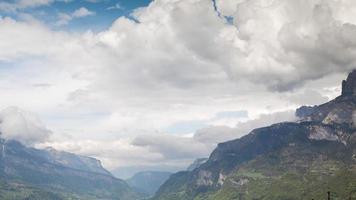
(112, 153)
(172, 147)
(117, 6)
(20, 5)
(82, 12)
(64, 18)
(217, 134)
(33, 3)
(23, 126)
(158, 149)
(95, 1)
(210, 51)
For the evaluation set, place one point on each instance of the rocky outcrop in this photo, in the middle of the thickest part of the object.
(349, 85)
(305, 111)
(341, 110)
(325, 136)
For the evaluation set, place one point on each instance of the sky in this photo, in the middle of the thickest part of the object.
(153, 85)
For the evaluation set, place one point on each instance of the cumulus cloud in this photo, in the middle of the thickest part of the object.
(209, 53)
(301, 40)
(23, 126)
(286, 50)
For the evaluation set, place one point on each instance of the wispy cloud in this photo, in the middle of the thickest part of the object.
(117, 6)
(82, 12)
(64, 18)
(24, 4)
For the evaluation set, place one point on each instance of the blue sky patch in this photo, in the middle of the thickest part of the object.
(104, 13)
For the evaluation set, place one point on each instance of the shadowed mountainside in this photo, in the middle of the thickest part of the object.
(28, 173)
(148, 182)
(290, 160)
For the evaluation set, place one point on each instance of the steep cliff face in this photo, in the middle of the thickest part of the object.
(269, 160)
(74, 161)
(27, 170)
(349, 85)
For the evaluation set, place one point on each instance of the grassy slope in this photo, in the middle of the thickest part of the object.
(297, 176)
(16, 191)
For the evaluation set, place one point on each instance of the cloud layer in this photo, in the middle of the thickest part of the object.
(136, 85)
(163, 151)
(23, 126)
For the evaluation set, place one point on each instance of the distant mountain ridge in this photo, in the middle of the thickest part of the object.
(289, 160)
(29, 173)
(75, 161)
(148, 182)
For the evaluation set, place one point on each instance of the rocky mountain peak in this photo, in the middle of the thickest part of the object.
(341, 110)
(349, 85)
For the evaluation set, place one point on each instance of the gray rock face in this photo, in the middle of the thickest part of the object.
(305, 111)
(341, 110)
(338, 111)
(349, 85)
(75, 161)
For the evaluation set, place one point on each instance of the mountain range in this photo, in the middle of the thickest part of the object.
(29, 173)
(303, 159)
(148, 182)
